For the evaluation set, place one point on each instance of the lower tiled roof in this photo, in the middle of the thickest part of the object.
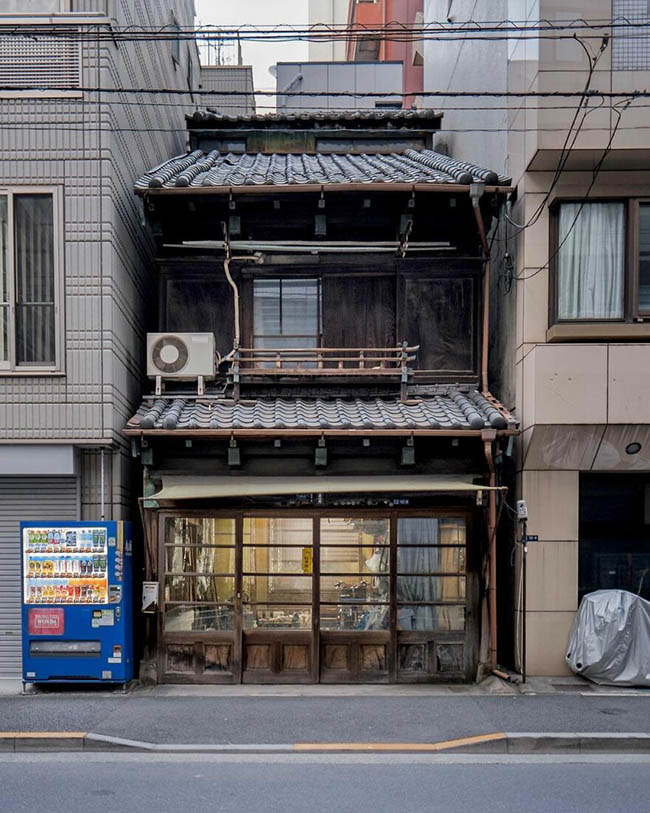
(452, 409)
(216, 169)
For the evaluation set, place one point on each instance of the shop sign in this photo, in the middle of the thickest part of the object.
(307, 560)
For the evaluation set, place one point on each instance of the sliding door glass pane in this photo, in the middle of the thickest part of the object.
(644, 258)
(590, 260)
(35, 284)
(4, 283)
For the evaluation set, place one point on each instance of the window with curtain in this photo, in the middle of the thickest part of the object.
(27, 281)
(591, 260)
(286, 313)
(644, 258)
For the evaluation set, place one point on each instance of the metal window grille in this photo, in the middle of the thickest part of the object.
(631, 46)
(39, 61)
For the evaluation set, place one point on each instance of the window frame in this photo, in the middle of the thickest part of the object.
(10, 367)
(631, 313)
(254, 336)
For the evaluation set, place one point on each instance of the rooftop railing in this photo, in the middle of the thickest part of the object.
(326, 363)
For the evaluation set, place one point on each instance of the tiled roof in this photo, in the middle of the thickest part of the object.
(196, 169)
(451, 409)
(216, 117)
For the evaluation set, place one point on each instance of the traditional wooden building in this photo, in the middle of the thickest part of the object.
(323, 506)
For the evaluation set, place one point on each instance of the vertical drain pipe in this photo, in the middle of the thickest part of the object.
(101, 484)
(476, 191)
(488, 437)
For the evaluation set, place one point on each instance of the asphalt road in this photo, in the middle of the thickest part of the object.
(54, 783)
(320, 719)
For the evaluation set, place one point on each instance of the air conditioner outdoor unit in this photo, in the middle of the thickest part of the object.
(181, 356)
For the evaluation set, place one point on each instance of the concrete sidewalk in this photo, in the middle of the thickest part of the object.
(285, 716)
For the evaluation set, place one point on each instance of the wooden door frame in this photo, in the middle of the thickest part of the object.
(392, 635)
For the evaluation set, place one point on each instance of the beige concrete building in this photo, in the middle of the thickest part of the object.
(328, 13)
(571, 315)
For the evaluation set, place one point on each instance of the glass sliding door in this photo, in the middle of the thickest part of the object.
(431, 597)
(354, 598)
(306, 597)
(198, 567)
(276, 599)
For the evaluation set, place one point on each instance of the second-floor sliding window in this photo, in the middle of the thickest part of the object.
(602, 260)
(286, 313)
(28, 281)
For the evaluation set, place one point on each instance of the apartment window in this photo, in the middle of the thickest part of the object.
(590, 260)
(40, 62)
(286, 313)
(631, 44)
(602, 264)
(28, 281)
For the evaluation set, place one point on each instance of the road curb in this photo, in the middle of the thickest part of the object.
(492, 743)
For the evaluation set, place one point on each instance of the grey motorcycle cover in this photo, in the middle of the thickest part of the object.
(609, 641)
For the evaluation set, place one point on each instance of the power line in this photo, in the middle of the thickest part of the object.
(570, 140)
(315, 108)
(394, 30)
(583, 202)
(457, 94)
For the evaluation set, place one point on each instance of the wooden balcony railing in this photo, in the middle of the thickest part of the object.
(327, 363)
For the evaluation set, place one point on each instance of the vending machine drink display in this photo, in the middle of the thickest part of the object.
(77, 608)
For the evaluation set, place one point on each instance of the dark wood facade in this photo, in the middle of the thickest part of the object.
(396, 600)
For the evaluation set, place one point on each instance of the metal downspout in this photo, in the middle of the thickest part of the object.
(488, 438)
(486, 286)
(476, 191)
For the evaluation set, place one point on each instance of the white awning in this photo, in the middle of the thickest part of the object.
(188, 487)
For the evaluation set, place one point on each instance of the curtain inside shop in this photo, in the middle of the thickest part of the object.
(590, 260)
(4, 283)
(418, 552)
(35, 285)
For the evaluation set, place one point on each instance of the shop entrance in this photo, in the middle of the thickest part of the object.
(316, 597)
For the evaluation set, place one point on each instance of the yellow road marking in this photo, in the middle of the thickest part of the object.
(36, 735)
(397, 746)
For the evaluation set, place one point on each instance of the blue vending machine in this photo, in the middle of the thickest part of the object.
(77, 602)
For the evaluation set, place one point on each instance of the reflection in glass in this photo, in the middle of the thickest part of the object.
(413, 559)
(354, 531)
(355, 561)
(340, 589)
(187, 617)
(199, 531)
(199, 588)
(265, 559)
(431, 618)
(430, 531)
(430, 588)
(278, 531)
(354, 616)
(197, 559)
(277, 588)
(259, 616)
